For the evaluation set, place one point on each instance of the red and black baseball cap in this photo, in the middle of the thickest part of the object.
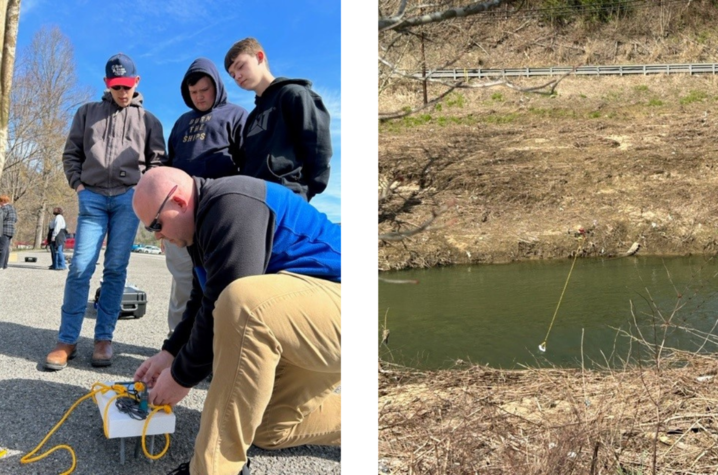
(120, 71)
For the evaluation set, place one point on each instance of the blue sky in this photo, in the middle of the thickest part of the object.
(302, 39)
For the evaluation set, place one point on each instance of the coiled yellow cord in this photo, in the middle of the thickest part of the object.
(121, 391)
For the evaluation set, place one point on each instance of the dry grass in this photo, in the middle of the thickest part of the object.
(551, 421)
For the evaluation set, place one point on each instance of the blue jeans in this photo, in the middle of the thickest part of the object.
(59, 257)
(100, 216)
(4, 249)
(53, 254)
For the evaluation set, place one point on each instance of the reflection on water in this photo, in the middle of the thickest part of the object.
(499, 314)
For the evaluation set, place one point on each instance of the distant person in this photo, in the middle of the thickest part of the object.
(56, 240)
(264, 316)
(9, 218)
(204, 142)
(110, 144)
(287, 138)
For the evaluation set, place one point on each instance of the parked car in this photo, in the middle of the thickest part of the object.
(69, 242)
(22, 245)
(150, 250)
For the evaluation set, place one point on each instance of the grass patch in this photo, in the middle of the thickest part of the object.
(655, 102)
(594, 115)
(416, 120)
(614, 96)
(500, 118)
(693, 96)
(413, 121)
(456, 100)
(466, 120)
(640, 89)
(552, 113)
(497, 97)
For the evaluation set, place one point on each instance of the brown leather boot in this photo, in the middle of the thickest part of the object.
(57, 358)
(102, 356)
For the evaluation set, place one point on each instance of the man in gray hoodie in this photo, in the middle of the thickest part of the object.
(110, 144)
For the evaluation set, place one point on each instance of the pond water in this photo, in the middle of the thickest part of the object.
(500, 314)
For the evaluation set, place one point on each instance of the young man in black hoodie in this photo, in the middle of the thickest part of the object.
(204, 142)
(287, 137)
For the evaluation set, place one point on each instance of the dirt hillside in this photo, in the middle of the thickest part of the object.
(516, 175)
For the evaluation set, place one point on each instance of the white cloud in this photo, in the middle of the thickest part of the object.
(28, 5)
(329, 203)
(333, 102)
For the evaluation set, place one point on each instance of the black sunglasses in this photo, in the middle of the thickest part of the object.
(155, 226)
(120, 88)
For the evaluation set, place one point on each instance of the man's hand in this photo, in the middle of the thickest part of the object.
(80, 188)
(150, 370)
(166, 390)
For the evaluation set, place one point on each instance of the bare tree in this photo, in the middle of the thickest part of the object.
(44, 98)
(407, 17)
(418, 39)
(9, 18)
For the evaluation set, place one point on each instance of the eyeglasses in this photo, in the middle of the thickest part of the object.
(155, 226)
(121, 88)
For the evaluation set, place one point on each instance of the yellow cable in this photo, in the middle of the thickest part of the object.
(542, 346)
(121, 391)
(28, 458)
(155, 409)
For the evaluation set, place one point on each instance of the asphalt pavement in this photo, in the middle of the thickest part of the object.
(33, 401)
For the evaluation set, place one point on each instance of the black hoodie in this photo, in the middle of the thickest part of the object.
(287, 138)
(206, 144)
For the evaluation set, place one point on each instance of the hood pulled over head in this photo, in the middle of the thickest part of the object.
(205, 66)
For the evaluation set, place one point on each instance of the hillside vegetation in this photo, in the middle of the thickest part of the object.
(514, 175)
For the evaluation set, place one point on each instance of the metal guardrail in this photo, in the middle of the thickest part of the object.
(621, 70)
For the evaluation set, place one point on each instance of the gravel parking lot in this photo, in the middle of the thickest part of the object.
(34, 400)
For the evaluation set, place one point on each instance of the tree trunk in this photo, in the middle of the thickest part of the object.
(40, 231)
(9, 18)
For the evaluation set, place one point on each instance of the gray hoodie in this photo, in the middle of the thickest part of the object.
(109, 147)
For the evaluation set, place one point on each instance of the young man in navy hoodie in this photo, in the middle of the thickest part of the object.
(287, 138)
(204, 142)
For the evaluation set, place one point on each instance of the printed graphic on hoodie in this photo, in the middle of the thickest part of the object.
(196, 129)
(261, 122)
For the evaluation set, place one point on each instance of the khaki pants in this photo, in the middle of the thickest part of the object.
(179, 263)
(277, 362)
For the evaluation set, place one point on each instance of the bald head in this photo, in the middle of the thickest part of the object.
(176, 216)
